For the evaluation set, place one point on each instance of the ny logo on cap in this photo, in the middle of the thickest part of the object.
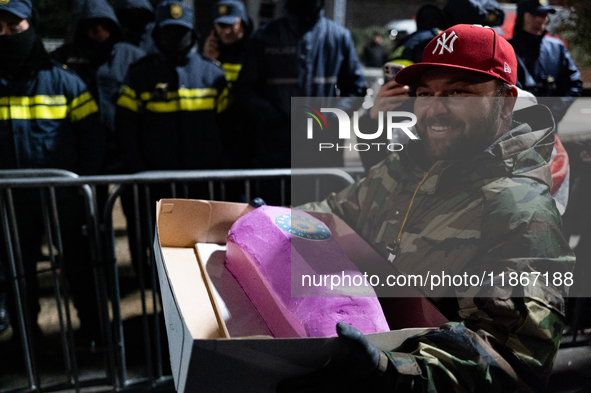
(176, 11)
(222, 10)
(443, 42)
(507, 68)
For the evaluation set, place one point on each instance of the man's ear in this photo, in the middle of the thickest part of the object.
(508, 102)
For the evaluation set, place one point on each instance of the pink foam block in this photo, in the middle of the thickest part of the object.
(269, 246)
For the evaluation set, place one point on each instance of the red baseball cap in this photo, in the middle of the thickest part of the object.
(465, 47)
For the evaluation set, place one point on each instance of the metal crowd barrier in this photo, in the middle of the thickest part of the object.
(15, 268)
(105, 367)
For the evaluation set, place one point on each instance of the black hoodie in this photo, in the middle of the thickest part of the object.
(102, 70)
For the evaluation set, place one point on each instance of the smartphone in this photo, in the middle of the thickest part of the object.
(390, 70)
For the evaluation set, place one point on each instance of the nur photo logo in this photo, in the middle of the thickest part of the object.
(388, 121)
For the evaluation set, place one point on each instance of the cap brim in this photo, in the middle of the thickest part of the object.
(545, 8)
(178, 22)
(228, 20)
(411, 75)
(23, 14)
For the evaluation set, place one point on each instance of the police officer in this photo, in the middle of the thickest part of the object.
(300, 55)
(48, 119)
(546, 68)
(169, 107)
(137, 21)
(101, 59)
(167, 112)
(226, 44)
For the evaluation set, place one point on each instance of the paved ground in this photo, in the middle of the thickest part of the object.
(89, 361)
(572, 370)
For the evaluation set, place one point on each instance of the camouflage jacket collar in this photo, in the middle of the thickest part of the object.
(524, 151)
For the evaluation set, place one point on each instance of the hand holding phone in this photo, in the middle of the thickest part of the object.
(390, 71)
(391, 94)
(211, 48)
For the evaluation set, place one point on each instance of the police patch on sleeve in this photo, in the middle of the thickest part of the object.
(304, 227)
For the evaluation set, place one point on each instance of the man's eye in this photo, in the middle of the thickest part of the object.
(456, 92)
(423, 94)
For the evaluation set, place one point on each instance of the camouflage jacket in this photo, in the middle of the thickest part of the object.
(491, 213)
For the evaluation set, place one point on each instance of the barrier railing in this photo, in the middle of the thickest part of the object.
(24, 328)
(111, 371)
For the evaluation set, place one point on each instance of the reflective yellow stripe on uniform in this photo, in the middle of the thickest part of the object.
(183, 100)
(82, 106)
(35, 107)
(404, 62)
(397, 53)
(231, 71)
(35, 100)
(223, 100)
(128, 99)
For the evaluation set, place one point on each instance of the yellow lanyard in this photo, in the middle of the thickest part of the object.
(392, 255)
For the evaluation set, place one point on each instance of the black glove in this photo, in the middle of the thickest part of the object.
(362, 370)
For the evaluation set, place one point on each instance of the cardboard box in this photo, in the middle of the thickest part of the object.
(205, 353)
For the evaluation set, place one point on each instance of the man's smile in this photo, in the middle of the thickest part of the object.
(439, 128)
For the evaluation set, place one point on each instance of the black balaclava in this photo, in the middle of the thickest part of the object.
(100, 51)
(307, 11)
(16, 49)
(174, 40)
(133, 23)
(97, 52)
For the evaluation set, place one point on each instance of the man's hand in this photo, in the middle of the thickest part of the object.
(390, 96)
(364, 369)
(211, 48)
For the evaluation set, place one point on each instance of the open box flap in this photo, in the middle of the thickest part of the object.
(180, 341)
(185, 222)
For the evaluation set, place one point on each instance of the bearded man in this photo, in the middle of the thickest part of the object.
(471, 196)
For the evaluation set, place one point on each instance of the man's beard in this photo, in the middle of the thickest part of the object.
(462, 145)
